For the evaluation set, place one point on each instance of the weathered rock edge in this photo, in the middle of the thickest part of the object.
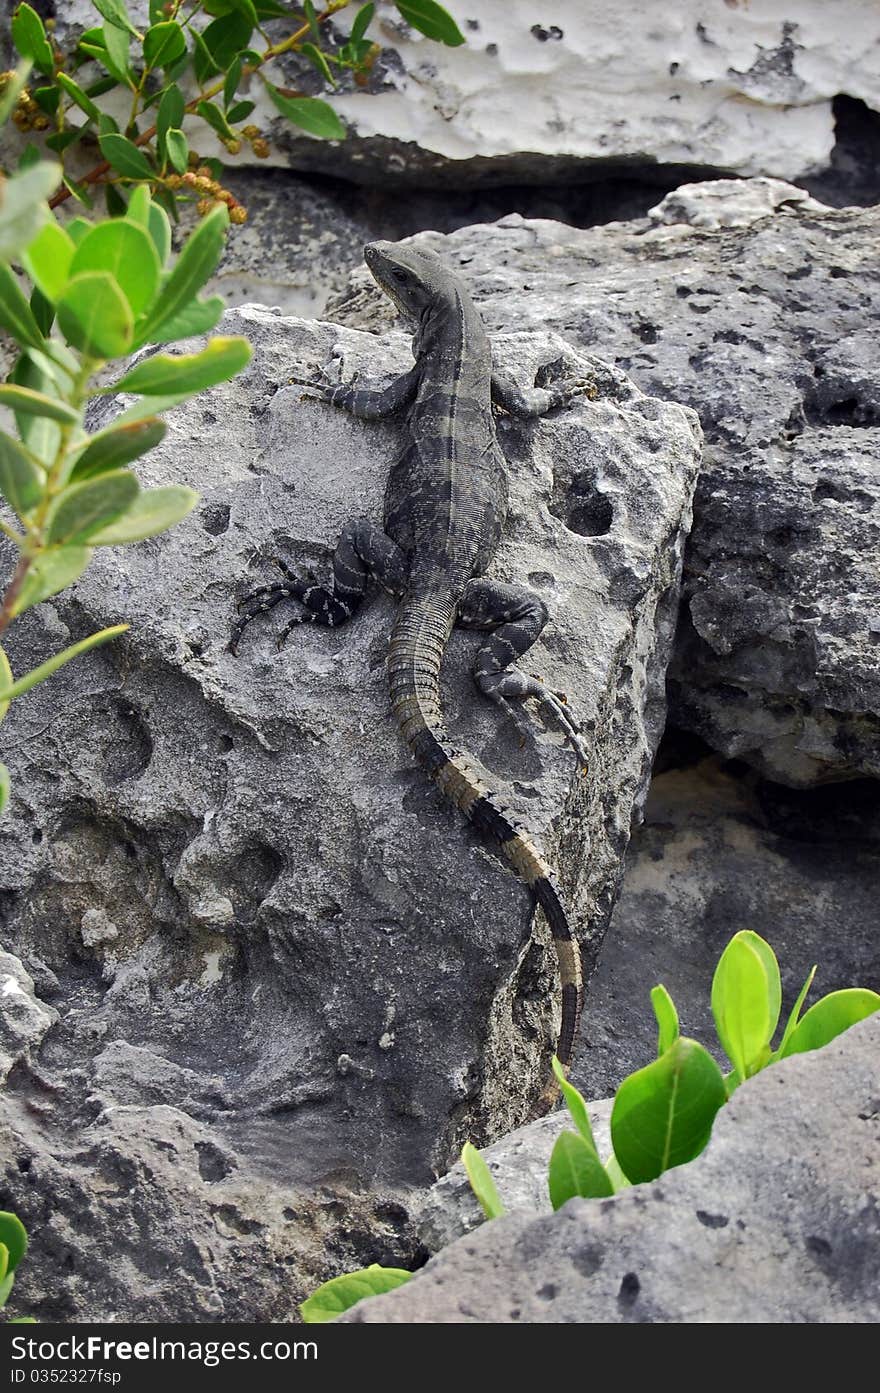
(289, 978)
(777, 1222)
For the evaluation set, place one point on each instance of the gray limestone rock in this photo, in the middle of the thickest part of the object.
(767, 331)
(24, 1019)
(256, 912)
(776, 1222)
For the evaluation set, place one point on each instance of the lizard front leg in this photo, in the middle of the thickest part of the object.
(546, 395)
(516, 617)
(363, 552)
(368, 403)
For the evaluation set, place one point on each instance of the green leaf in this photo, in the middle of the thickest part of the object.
(153, 511)
(159, 229)
(47, 259)
(233, 78)
(85, 508)
(115, 200)
(362, 21)
(481, 1182)
(663, 1114)
(199, 317)
(117, 43)
(164, 373)
(318, 60)
(82, 99)
(4, 789)
(40, 433)
(95, 317)
(44, 310)
(667, 1018)
(6, 680)
(30, 39)
(116, 446)
(309, 113)
(115, 12)
(124, 250)
(23, 205)
(340, 1293)
(431, 20)
(98, 51)
(164, 44)
(146, 407)
(795, 1015)
(177, 150)
(53, 570)
(39, 674)
(196, 262)
(16, 315)
(37, 404)
(575, 1169)
(22, 480)
(77, 229)
(615, 1174)
(170, 113)
(576, 1106)
(14, 1236)
(309, 12)
(239, 112)
(830, 1017)
(215, 119)
(225, 37)
(743, 1001)
(125, 157)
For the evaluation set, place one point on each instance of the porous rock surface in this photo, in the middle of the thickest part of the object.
(767, 330)
(289, 981)
(777, 1222)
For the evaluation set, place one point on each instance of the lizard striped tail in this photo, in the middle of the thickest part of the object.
(418, 640)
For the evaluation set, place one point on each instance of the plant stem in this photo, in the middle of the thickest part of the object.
(95, 175)
(13, 590)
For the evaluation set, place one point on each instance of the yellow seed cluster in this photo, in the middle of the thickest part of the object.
(27, 115)
(201, 181)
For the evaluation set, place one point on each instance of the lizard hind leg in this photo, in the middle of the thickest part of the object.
(363, 552)
(514, 617)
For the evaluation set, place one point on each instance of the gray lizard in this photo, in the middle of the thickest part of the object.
(445, 507)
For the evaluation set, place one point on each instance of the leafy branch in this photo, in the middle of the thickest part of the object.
(209, 48)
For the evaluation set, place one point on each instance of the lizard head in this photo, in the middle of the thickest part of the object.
(412, 277)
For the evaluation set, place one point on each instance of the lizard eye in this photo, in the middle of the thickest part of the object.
(401, 276)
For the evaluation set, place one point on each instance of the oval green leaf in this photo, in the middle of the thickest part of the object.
(124, 250)
(830, 1017)
(742, 1001)
(152, 512)
(31, 40)
(575, 1169)
(47, 259)
(116, 446)
(95, 317)
(481, 1182)
(16, 315)
(663, 1114)
(117, 14)
(667, 1019)
(22, 479)
(163, 44)
(125, 157)
(86, 508)
(76, 93)
(196, 262)
(164, 373)
(199, 317)
(795, 1013)
(14, 1236)
(177, 150)
(53, 570)
(6, 680)
(341, 1293)
(309, 113)
(37, 404)
(431, 20)
(576, 1105)
(23, 207)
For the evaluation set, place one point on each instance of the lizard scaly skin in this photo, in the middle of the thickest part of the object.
(445, 508)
